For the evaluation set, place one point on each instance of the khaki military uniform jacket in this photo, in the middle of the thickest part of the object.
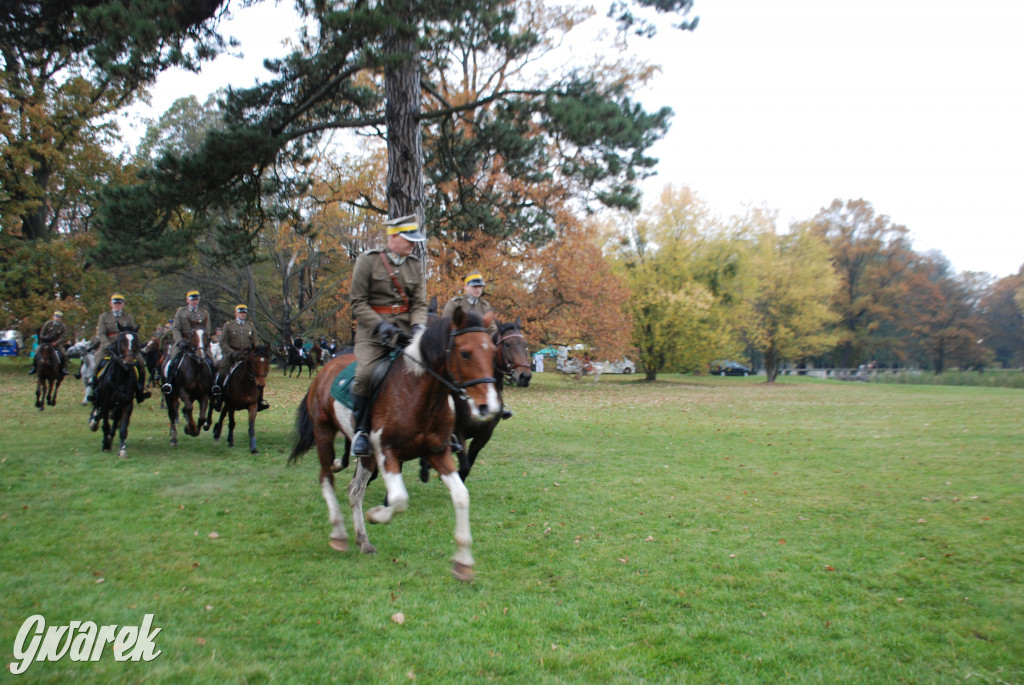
(186, 319)
(107, 327)
(468, 304)
(54, 331)
(372, 287)
(237, 337)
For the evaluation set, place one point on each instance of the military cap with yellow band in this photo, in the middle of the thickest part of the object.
(406, 226)
(58, 313)
(192, 295)
(241, 308)
(117, 297)
(475, 279)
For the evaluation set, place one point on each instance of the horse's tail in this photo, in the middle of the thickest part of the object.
(304, 437)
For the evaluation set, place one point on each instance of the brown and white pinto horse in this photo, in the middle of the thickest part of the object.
(49, 374)
(413, 415)
(242, 391)
(193, 382)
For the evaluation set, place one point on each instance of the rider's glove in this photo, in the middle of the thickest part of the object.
(387, 332)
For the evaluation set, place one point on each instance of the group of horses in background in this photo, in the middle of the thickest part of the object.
(191, 380)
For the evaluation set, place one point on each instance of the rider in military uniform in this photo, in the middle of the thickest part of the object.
(238, 336)
(109, 325)
(388, 299)
(186, 319)
(54, 332)
(471, 301)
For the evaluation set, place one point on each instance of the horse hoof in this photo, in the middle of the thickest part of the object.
(94, 426)
(107, 449)
(367, 549)
(254, 451)
(338, 465)
(339, 544)
(379, 515)
(462, 572)
(123, 454)
(174, 442)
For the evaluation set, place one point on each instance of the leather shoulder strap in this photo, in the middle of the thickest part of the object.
(398, 286)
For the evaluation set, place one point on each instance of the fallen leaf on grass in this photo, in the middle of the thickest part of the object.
(829, 568)
(201, 641)
(213, 535)
(398, 618)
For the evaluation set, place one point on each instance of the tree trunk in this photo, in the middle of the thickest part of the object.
(771, 365)
(402, 116)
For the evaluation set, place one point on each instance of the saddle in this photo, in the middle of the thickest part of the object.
(341, 386)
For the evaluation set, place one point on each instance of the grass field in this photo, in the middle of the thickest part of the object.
(712, 530)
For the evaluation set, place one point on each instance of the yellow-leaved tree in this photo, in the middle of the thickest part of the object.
(679, 263)
(786, 290)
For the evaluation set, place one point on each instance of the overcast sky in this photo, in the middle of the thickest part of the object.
(917, 106)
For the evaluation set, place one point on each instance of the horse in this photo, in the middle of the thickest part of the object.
(242, 391)
(512, 363)
(192, 381)
(151, 353)
(447, 364)
(115, 390)
(316, 355)
(49, 374)
(90, 357)
(297, 358)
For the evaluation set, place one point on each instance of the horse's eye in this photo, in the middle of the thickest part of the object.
(466, 354)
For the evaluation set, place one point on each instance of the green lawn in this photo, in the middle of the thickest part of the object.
(692, 530)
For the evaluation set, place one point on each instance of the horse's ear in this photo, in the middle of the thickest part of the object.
(519, 324)
(458, 317)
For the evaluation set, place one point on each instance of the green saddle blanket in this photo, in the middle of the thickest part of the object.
(341, 386)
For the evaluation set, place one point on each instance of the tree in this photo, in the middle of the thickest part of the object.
(1003, 321)
(67, 66)
(679, 263)
(360, 71)
(787, 290)
(871, 256)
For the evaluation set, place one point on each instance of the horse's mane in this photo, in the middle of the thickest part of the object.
(435, 339)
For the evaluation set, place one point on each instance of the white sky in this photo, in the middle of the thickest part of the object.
(917, 106)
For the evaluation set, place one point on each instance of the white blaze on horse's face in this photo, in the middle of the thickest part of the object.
(201, 334)
(131, 347)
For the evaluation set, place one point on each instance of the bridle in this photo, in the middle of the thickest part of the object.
(451, 382)
(502, 364)
(252, 366)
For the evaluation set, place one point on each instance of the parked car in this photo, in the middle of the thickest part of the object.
(8, 348)
(624, 365)
(725, 367)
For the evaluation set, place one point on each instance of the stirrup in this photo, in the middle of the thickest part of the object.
(167, 388)
(32, 370)
(217, 390)
(506, 413)
(360, 449)
(262, 404)
(455, 445)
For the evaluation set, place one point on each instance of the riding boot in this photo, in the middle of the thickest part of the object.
(33, 369)
(361, 420)
(216, 390)
(262, 403)
(172, 367)
(78, 374)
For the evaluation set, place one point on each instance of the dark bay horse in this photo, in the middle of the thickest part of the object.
(115, 390)
(297, 358)
(413, 415)
(192, 381)
(512, 362)
(50, 374)
(242, 391)
(151, 354)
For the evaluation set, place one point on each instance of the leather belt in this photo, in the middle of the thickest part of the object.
(391, 309)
